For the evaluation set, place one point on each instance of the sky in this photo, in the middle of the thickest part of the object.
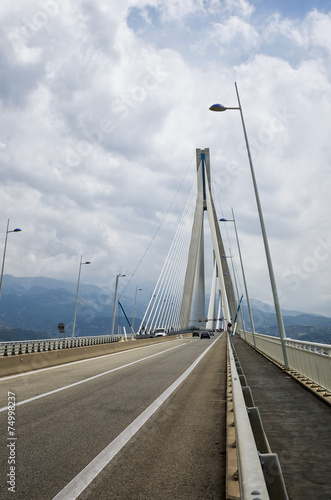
(103, 104)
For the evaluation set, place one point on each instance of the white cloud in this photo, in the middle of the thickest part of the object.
(240, 7)
(319, 25)
(235, 29)
(286, 28)
(179, 11)
(309, 34)
(100, 120)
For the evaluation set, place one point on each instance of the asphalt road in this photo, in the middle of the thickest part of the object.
(121, 426)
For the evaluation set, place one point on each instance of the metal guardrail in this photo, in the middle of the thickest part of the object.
(252, 482)
(12, 348)
(310, 359)
(260, 475)
(31, 346)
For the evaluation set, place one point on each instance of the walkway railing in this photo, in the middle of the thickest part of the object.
(312, 360)
(29, 346)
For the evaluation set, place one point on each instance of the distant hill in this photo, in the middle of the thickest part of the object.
(298, 325)
(31, 308)
(17, 334)
(319, 334)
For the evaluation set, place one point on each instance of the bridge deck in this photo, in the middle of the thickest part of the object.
(297, 425)
(180, 453)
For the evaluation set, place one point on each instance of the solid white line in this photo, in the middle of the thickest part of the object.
(34, 372)
(90, 378)
(86, 476)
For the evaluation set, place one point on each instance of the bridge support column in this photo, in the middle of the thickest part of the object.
(194, 268)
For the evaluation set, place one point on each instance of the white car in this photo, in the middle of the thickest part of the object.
(160, 332)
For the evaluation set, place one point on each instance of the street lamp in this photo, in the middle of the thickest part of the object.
(114, 308)
(17, 230)
(134, 307)
(80, 268)
(243, 273)
(235, 280)
(220, 107)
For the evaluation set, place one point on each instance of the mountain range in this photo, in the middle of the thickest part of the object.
(31, 308)
(298, 325)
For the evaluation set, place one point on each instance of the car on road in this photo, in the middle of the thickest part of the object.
(160, 332)
(205, 335)
(195, 333)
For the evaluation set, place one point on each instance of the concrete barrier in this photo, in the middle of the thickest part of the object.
(21, 363)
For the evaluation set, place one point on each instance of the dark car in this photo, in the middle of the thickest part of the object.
(195, 333)
(205, 335)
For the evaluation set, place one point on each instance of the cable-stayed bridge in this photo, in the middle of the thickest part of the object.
(177, 416)
(178, 300)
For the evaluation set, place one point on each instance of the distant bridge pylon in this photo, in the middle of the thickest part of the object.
(178, 300)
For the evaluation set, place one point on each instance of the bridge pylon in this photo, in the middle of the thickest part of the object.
(192, 311)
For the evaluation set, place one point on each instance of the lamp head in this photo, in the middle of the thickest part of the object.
(217, 107)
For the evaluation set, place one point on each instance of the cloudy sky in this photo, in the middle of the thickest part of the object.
(103, 104)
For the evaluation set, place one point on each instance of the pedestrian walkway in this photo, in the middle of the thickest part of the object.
(296, 422)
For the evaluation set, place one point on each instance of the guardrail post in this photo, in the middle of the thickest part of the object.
(273, 476)
(258, 430)
(248, 396)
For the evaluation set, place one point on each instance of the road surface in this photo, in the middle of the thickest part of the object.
(148, 423)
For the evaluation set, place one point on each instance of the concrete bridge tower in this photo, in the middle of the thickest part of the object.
(192, 312)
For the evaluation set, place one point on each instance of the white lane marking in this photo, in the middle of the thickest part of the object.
(86, 476)
(95, 358)
(90, 378)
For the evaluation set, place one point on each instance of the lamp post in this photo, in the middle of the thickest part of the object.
(220, 107)
(114, 308)
(235, 280)
(17, 230)
(80, 268)
(134, 307)
(243, 273)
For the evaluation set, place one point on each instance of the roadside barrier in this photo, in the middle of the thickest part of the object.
(32, 346)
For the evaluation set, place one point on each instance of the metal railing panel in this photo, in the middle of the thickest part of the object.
(31, 346)
(268, 344)
(252, 482)
(310, 359)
